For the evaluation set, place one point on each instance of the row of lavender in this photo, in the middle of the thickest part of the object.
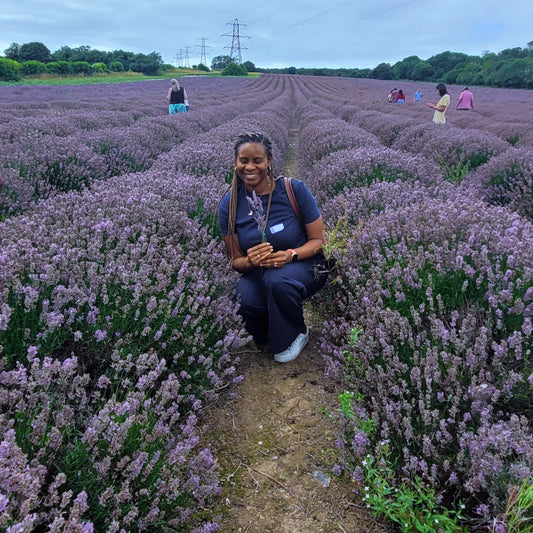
(59, 140)
(436, 285)
(463, 147)
(117, 323)
(505, 113)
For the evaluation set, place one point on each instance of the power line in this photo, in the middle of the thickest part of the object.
(323, 12)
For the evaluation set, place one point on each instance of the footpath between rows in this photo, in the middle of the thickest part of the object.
(275, 443)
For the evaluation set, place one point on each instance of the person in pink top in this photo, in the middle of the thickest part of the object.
(466, 101)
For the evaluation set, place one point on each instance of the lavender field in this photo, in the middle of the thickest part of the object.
(117, 321)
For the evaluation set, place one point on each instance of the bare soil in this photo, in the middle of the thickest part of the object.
(274, 440)
(275, 447)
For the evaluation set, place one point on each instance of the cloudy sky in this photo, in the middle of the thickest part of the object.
(313, 33)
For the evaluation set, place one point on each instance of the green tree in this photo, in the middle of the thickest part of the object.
(451, 77)
(8, 69)
(99, 67)
(404, 68)
(126, 58)
(148, 64)
(116, 66)
(514, 53)
(12, 52)
(81, 67)
(470, 74)
(382, 72)
(422, 71)
(32, 68)
(203, 67)
(234, 70)
(65, 53)
(59, 68)
(517, 73)
(220, 62)
(34, 51)
(249, 66)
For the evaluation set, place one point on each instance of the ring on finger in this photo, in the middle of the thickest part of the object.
(275, 264)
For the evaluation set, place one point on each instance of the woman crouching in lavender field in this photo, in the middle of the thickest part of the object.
(282, 263)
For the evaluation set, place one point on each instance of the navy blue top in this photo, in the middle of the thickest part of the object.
(283, 229)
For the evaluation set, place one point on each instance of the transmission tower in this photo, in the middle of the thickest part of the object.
(179, 57)
(203, 55)
(186, 57)
(236, 37)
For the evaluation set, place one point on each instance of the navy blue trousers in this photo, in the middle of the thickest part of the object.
(272, 300)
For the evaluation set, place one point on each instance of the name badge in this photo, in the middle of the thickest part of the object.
(277, 228)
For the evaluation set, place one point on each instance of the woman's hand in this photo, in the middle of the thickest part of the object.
(277, 259)
(257, 255)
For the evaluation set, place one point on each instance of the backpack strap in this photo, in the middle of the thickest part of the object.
(292, 199)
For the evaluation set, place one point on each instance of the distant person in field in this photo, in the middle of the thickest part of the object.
(273, 232)
(418, 95)
(400, 97)
(466, 100)
(394, 95)
(439, 117)
(178, 101)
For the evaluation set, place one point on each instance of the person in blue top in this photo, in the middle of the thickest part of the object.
(279, 257)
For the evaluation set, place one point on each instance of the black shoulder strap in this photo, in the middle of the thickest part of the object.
(292, 199)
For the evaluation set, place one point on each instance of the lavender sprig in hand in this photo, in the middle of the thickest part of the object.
(258, 214)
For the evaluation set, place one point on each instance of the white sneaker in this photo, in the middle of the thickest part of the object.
(294, 350)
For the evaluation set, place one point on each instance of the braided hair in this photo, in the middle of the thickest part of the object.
(263, 140)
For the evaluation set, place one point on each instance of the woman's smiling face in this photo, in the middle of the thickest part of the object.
(252, 165)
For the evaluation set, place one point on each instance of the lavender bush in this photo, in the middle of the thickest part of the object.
(357, 206)
(507, 180)
(117, 317)
(442, 294)
(329, 135)
(67, 148)
(345, 169)
(112, 332)
(457, 151)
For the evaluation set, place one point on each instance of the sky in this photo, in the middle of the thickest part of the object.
(274, 33)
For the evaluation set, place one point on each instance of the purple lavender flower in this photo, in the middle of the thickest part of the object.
(258, 214)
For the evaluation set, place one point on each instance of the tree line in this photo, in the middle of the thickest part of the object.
(35, 58)
(512, 67)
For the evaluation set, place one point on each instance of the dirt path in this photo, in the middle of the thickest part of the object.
(275, 444)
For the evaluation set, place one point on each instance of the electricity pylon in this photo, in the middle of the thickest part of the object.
(203, 55)
(236, 36)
